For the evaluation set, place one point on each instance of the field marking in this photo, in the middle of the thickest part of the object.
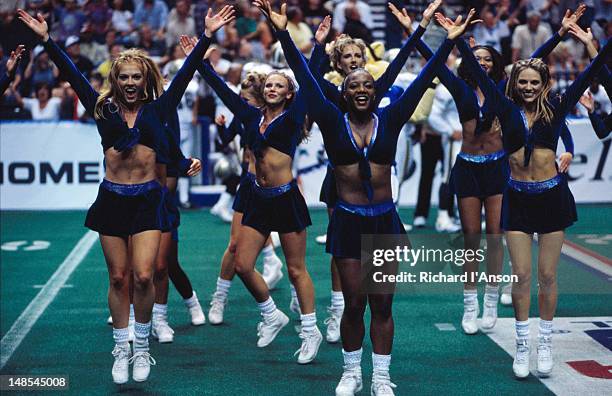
(445, 326)
(599, 263)
(24, 323)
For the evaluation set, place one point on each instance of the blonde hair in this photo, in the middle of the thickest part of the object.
(544, 109)
(253, 85)
(153, 81)
(338, 47)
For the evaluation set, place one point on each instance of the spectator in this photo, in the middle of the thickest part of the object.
(354, 26)
(105, 67)
(40, 69)
(122, 18)
(529, 37)
(491, 31)
(148, 42)
(43, 107)
(314, 12)
(562, 67)
(99, 17)
(153, 13)
(70, 20)
(299, 31)
(91, 49)
(179, 22)
(216, 60)
(339, 19)
(73, 49)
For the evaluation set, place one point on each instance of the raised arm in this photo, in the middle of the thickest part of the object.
(568, 19)
(172, 96)
(87, 95)
(11, 68)
(586, 37)
(317, 58)
(227, 134)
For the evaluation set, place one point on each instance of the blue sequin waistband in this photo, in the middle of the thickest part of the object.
(482, 158)
(130, 190)
(271, 192)
(535, 187)
(366, 210)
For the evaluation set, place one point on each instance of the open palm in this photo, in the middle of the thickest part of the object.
(38, 25)
(456, 28)
(279, 21)
(223, 17)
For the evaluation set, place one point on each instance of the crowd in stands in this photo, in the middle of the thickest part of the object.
(94, 32)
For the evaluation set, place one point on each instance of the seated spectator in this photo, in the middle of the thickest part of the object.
(354, 26)
(40, 69)
(529, 37)
(73, 49)
(105, 67)
(70, 19)
(91, 49)
(314, 12)
(122, 17)
(43, 107)
(148, 42)
(180, 22)
(491, 31)
(299, 31)
(153, 13)
(100, 16)
(339, 19)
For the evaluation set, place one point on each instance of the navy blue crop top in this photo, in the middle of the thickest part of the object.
(381, 85)
(337, 135)
(227, 134)
(512, 119)
(283, 133)
(149, 129)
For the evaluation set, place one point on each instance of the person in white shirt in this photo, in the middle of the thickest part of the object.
(491, 31)
(339, 19)
(43, 107)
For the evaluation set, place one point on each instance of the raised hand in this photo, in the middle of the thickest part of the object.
(588, 101)
(429, 12)
(38, 25)
(214, 23)
(187, 44)
(584, 37)
(323, 30)
(458, 27)
(571, 18)
(402, 17)
(14, 59)
(279, 21)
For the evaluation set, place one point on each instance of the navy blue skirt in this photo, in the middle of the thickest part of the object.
(348, 222)
(126, 209)
(244, 192)
(329, 194)
(480, 176)
(282, 209)
(541, 207)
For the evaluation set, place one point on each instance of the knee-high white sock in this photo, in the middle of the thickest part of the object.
(222, 290)
(522, 329)
(121, 337)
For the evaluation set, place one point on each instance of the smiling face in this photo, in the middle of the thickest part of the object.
(529, 85)
(276, 90)
(359, 91)
(485, 59)
(351, 58)
(131, 82)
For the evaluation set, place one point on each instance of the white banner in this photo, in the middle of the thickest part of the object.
(49, 165)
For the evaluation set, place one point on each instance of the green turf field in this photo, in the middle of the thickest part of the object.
(71, 336)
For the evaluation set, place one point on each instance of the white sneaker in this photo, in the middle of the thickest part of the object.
(321, 239)
(161, 330)
(215, 313)
(350, 383)
(520, 366)
(268, 330)
(142, 365)
(382, 385)
(226, 215)
(272, 272)
(310, 346)
(445, 224)
(469, 322)
(294, 306)
(419, 222)
(506, 295)
(109, 320)
(407, 227)
(224, 199)
(275, 239)
(121, 371)
(333, 325)
(197, 315)
(489, 314)
(545, 359)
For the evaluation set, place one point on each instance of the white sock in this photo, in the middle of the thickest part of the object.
(522, 329)
(293, 292)
(309, 322)
(141, 336)
(192, 301)
(545, 328)
(381, 363)
(121, 337)
(222, 291)
(352, 360)
(268, 309)
(470, 297)
(491, 295)
(183, 189)
(337, 301)
(268, 251)
(160, 311)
